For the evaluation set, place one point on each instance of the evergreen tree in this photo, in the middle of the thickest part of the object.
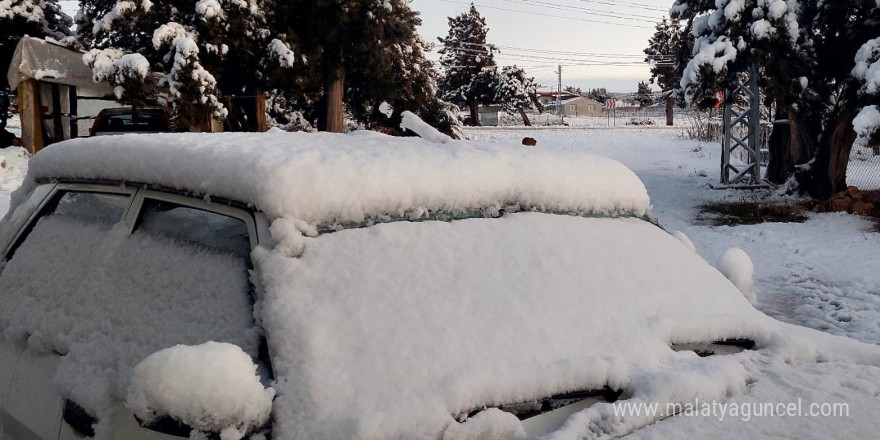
(805, 52)
(600, 94)
(516, 91)
(202, 51)
(644, 95)
(663, 48)
(357, 52)
(468, 61)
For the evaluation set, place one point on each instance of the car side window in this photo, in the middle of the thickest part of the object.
(195, 226)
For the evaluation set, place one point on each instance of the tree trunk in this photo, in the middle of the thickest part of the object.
(827, 174)
(781, 165)
(334, 103)
(475, 114)
(670, 111)
(525, 117)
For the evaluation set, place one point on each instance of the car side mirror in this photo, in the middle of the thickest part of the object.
(213, 388)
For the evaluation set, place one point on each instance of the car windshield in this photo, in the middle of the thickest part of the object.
(133, 122)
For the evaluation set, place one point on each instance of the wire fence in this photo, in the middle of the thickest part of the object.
(863, 170)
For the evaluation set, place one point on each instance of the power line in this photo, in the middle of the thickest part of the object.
(601, 13)
(549, 15)
(628, 5)
(555, 52)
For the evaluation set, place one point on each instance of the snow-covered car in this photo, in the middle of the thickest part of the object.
(318, 286)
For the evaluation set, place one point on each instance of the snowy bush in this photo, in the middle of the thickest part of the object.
(736, 265)
(211, 387)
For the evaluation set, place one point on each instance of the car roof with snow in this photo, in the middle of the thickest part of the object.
(324, 178)
(405, 329)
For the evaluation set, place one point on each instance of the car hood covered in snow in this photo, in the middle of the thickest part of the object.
(388, 331)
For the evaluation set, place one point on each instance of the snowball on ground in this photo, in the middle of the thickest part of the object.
(332, 178)
(211, 387)
(736, 265)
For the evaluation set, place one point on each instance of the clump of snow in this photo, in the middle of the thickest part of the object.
(211, 387)
(209, 9)
(386, 109)
(736, 265)
(415, 124)
(331, 179)
(282, 52)
(866, 123)
(867, 66)
(683, 238)
(492, 424)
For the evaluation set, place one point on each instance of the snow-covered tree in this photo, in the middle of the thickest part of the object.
(661, 53)
(470, 72)
(867, 72)
(805, 51)
(202, 51)
(516, 91)
(36, 18)
(358, 53)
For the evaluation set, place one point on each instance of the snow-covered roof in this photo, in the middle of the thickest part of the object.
(332, 178)
(48, 62)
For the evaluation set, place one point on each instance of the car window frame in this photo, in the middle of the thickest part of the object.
(135, 211)
(57, 191)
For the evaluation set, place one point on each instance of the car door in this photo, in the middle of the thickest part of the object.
(32, 407)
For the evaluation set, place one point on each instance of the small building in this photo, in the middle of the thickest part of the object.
(489, 115)
(549, 97)
(580, 106)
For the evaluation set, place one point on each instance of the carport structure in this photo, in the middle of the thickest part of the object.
(49, 78)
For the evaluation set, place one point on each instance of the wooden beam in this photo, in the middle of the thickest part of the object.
(31, 120)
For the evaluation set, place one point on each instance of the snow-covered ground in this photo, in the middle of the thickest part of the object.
(819, 274)
(13, 167)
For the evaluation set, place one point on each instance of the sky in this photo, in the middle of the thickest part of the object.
(598, 42)
(579, 34)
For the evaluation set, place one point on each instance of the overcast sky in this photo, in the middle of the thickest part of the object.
(579, 34)
(598, 42)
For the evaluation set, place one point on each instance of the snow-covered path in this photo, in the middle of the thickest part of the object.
(821, 274)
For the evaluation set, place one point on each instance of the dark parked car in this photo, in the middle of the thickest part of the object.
(112, 121)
